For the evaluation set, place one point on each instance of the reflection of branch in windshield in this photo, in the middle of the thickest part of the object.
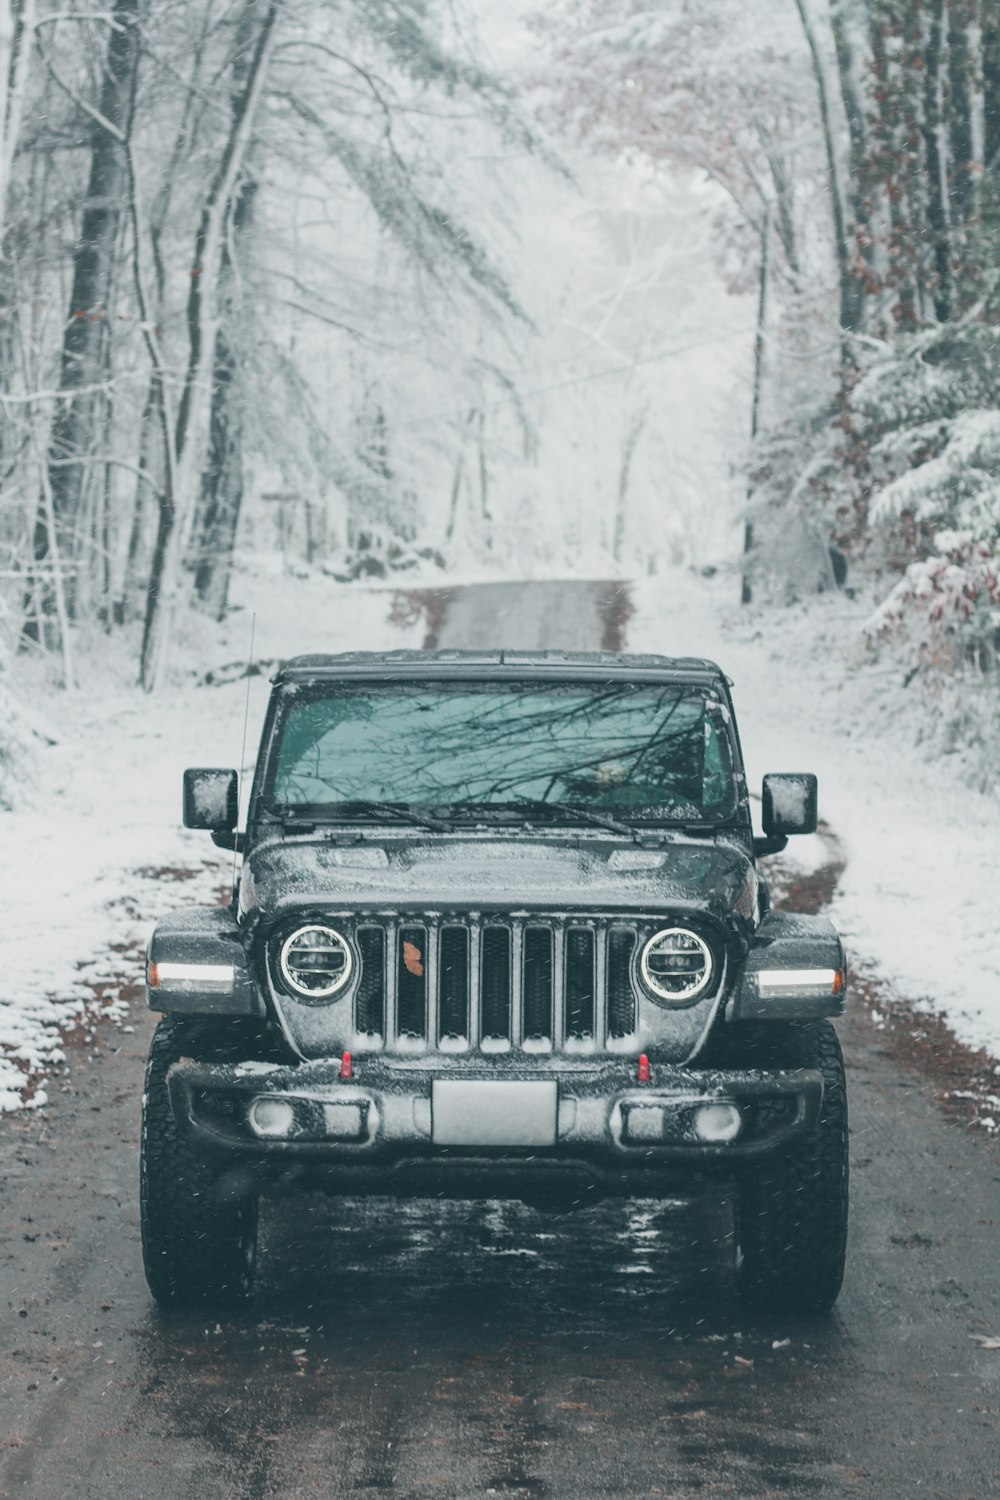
(570, 771)
(619, 745)
(656, 735)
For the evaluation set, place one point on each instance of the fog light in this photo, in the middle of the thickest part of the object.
(343, 1121)
(717, 1122)
(645, 1123)
(271, 1118)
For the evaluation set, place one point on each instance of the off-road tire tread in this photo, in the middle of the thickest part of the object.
(792, 1211)
(198, 1245)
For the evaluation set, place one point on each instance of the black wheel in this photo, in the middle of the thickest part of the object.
(791, 1215)
(199, 1245)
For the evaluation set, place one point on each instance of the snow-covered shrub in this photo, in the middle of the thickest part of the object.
(910, 446)
(944, 613)
(927, 413)
(941, 625)
(901, 469)
(378, 553)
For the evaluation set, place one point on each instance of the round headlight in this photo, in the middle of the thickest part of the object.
(315, 962)
(677, 965)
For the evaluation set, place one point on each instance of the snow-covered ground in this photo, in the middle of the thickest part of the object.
(918, 902)
(82, 876)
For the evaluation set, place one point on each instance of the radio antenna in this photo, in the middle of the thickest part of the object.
(246, 717)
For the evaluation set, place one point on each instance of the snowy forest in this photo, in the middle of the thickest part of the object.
(415, 286)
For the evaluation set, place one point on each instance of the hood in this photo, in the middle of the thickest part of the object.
(523, 873)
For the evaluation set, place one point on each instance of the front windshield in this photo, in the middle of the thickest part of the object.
(639, 750)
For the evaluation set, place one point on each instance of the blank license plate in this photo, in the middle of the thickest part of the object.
(484, 1113)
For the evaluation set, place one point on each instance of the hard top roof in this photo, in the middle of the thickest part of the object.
(500, 663)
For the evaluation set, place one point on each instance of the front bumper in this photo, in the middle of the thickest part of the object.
(393, 1131)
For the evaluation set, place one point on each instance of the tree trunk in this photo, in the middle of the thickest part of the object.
(966, 139)
(759, 351)
(889, 168)
(153, 460)
(456, 490)
(850, 302)
(783, 212)
(911, 234)
(17, 26)
(631, 441)
(222, 481)
(484, 478)
(86, 346)
(991, 92)
(147, 480)
(222, 484)
(990, 195)
(962, 58)
(456, 483)
(936, 148)
(847, 36)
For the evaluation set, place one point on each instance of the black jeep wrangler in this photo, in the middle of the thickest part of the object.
(499, 932)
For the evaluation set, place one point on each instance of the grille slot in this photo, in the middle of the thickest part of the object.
(370, 1000)
(538, 969)
(495, 984)
(579, 983)
(411, 982)
(453, 983)
(621, 1000)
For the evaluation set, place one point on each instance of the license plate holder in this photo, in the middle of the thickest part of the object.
(490, 1112)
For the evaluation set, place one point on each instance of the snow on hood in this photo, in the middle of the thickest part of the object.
(527, 872)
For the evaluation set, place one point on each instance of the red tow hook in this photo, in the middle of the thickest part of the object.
(346, 1066)
(642, 1073)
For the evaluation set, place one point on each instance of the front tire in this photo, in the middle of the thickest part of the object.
(791, 1215)
(199, 1245)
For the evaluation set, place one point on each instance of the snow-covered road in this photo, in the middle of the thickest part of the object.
(521, 616)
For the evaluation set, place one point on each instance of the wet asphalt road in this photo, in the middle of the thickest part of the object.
(474, 1349)
(531, 616)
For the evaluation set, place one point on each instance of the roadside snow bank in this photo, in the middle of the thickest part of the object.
(95, 851)
(917, 902)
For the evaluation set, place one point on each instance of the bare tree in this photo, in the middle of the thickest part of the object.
(847, 278)
(222, 481)
(177, 498)
(630, 442)
(17, 27)
(81, 414)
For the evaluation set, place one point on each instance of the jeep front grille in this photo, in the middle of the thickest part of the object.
(538, 984)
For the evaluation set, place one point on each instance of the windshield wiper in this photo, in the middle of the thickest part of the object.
(559, 810)
(362, 808)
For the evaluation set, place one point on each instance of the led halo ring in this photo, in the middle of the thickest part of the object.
(699, 981)
(336, 941)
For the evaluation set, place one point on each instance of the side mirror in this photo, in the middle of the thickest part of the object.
(211, 800)
(789, 804)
